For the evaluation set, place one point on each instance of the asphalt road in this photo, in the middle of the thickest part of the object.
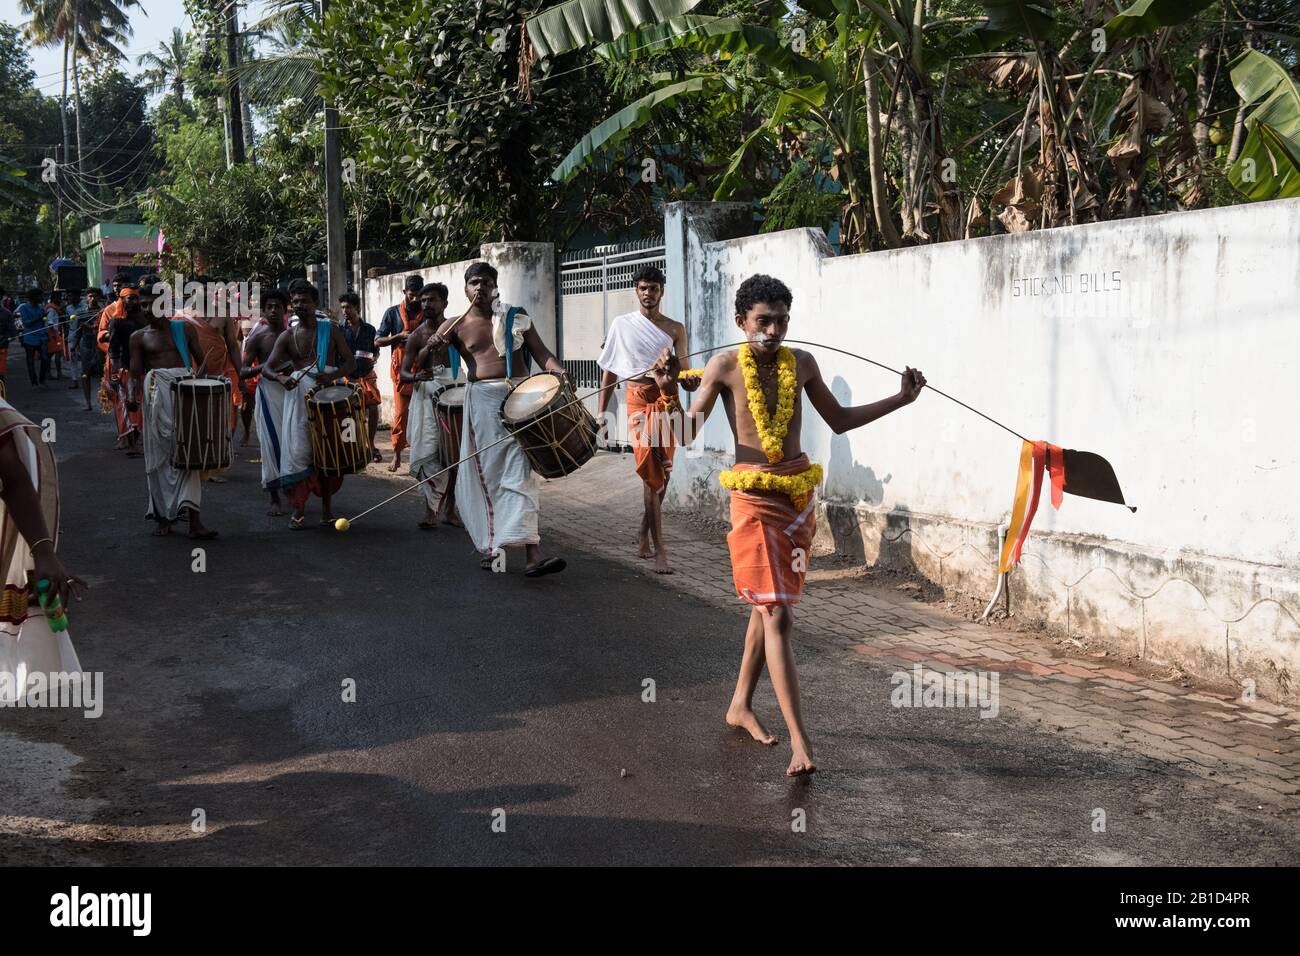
(485, 698)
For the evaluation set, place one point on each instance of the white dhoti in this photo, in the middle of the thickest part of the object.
(295, 432)
(268, 412)
(27, 645)
(171, 490)
(425, 437)
(496, 491)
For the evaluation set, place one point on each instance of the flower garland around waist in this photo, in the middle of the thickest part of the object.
(798, 487)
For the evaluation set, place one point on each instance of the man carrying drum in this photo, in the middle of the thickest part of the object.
(316, 354)
(496, 490)
(162, 353)
(424, 368)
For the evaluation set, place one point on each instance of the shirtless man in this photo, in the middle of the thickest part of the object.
(267, 399)
(317, 354)
(496, 490)
(163, 352)
(424, 361)
(632, 346)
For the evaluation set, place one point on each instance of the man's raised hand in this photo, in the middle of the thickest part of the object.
(913, 382)
(665, 371)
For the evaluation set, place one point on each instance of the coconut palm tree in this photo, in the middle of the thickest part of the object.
(82, 27)
(165, 65)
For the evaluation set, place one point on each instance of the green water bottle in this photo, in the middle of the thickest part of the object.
(52, 606)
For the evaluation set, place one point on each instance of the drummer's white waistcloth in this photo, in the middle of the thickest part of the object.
(425, 437)
(269, 416)
(171, 490)
(496, 491)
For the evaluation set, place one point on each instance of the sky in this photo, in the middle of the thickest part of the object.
(153, 22)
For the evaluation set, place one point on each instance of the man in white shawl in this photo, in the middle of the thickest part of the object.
(268, 398)
(33, 657)
(424, 368)
(496, 489)
(163, 353)
(316, 353)
(632, 346)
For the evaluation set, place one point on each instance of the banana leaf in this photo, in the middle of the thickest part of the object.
(1145, 17)
(630, 117)
(579, 23)
(1269, 164)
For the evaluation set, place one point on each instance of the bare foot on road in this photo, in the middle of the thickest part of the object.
(801, 763)
(661, 564)
(746, 719)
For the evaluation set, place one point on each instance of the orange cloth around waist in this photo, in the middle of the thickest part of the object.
(770, 540)
(651, 430)
(369, 388)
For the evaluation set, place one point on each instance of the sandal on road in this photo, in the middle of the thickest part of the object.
(547, 566)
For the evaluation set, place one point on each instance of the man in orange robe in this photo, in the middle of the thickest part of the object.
(394, 329)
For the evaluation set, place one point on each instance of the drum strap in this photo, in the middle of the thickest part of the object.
(510, 339)
(178, 336)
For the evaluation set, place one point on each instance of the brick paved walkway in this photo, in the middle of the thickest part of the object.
(1250, 750)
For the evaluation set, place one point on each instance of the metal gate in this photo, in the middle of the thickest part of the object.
(596, 288)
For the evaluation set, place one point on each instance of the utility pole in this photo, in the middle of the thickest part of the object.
(335, 243)
(234, 112)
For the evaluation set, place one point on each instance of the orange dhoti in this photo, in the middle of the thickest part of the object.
(651, 430)
(127, 421)
(770, 539)
(369, 385)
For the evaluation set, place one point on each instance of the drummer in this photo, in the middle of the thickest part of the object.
(163, 352)
(361, 339)
(424, 367)
(496, 490)
(306, 355)
(267, 398)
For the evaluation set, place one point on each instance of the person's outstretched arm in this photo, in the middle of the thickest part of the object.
(842, 418)
(665, 373)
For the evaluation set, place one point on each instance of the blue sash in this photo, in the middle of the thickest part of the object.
(453, 360)
(178, 336)
(322, 343)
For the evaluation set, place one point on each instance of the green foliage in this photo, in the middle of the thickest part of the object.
(801, 199)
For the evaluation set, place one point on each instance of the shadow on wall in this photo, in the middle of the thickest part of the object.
(848, 483)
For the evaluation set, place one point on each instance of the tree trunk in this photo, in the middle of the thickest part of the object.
(1239, 124)
(907, 153)
(875, 158)
(1203, 96)
(76, 80)
(946, 194)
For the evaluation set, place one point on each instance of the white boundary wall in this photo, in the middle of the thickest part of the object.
(1169, 344)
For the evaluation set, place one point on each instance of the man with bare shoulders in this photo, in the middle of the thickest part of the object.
(496, 489)
(396, 326)
(424, 368)
(164, 352)
(772, 485)
(268, 395)
(632, 345)
(316, 354)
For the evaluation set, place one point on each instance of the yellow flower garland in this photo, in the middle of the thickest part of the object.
(691, 373)
(771, 428)
(798, 488)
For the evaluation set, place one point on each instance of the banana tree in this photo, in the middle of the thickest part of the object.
(1269, 164)
(819, 95)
